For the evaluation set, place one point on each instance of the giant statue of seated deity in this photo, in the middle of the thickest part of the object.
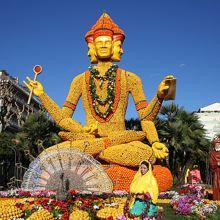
(104, 89)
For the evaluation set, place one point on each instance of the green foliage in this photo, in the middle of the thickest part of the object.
(133, 124)
(169, 214)
(184, 136)
(37, 133)
(6, 143)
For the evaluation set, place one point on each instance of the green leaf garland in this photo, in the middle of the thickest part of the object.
(109, 76)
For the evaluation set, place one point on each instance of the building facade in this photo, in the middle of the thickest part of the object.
(209, 116)
(13, 103)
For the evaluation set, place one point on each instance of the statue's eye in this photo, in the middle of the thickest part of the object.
(108, 43)
(98, 43)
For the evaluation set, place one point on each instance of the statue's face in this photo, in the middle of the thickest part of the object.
(117, 51)
(91, 53)
(103, 47)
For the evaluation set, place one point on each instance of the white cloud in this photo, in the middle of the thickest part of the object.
(182, 65)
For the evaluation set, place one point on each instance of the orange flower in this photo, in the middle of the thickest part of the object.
(121, 176)
(164, 177)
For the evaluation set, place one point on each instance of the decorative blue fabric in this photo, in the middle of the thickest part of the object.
(152, 211)
(138, 207)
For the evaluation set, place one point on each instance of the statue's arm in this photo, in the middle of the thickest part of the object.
(73, 96)
(63, 116)
(69, 105)
(147, 111)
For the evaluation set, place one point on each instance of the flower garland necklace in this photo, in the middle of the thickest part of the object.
(109, 76)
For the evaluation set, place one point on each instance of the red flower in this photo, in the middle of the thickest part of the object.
(65, 216)
(183, 191)
(72, 192)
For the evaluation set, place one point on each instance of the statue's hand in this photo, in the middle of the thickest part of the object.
(160, 150)
(36, 86)
(92, 129)
(164, 87)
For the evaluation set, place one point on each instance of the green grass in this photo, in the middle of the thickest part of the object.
(169, 214)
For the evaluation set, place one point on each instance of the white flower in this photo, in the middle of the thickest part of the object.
(96, 207)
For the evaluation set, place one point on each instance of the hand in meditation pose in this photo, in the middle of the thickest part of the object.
(104, 89)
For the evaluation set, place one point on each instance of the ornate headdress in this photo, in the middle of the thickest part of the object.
(105, 26)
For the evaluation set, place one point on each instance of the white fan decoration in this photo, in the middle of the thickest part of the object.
(56, 167)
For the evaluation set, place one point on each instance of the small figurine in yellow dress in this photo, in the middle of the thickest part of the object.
(104, 89)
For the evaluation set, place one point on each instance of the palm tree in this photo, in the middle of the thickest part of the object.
(133, 124)
(184, 136)
(37, 133)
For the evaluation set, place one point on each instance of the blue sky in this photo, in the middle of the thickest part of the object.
(172, 36)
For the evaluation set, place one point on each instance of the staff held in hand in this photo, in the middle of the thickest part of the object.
(37, 70)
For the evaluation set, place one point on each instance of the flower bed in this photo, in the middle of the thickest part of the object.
(78, 205)
(190, 201)
(19, 193)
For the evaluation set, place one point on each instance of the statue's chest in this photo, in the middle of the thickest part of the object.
(105, 97)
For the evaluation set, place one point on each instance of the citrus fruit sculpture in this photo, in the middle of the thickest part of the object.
(105, 89)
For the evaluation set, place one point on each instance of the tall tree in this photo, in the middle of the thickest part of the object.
(7, 146)
(133, 124)
(184, 136)
(37, 133)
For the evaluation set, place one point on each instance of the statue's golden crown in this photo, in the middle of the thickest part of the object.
(105, 26)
